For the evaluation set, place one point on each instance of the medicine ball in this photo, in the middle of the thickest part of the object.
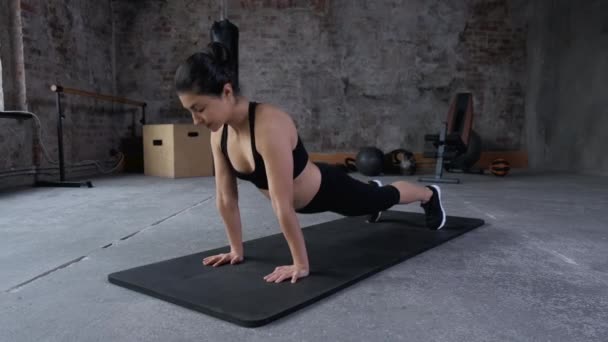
(369, 161)
(500, 167)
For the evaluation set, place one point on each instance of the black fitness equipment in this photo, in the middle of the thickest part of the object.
(60, 116)
(350, 165)
(396, 162)
(370, 160)
(227, 34)
(400, 162)
(457, 147)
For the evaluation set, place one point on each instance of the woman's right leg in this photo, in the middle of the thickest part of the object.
(409, 192)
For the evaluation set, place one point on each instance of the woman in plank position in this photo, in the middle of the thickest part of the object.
(260, 143)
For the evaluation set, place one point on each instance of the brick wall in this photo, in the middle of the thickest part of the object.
(494, 51)
(351, 73)
(15, 135)
(69, 43)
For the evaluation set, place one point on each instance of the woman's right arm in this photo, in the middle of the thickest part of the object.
(227, 196)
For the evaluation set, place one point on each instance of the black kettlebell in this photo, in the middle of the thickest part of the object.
(400, 161)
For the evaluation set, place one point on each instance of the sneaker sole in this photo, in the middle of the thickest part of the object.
(443, 218)
(377, 181)
(377, 218)
(379, 213)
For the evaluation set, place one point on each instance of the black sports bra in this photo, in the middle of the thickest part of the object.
(258, 177)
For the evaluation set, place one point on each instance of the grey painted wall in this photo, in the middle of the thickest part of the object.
(567, 112)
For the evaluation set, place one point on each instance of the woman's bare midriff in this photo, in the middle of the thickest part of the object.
(305, 186)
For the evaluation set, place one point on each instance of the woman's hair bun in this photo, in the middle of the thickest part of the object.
(219, 53)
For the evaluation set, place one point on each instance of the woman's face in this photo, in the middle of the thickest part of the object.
(210, 111)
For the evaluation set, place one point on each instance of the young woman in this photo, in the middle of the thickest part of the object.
(260, 143)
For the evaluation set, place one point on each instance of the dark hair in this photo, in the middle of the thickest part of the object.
(206, 73)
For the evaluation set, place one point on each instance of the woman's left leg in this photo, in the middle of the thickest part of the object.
(430, 200)
(345, 195)
(349, 196)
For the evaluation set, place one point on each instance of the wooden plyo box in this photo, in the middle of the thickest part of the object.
(177, 151)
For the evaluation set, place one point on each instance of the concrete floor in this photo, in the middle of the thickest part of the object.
(537, 271)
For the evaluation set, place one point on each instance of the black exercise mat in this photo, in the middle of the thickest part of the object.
(340, 252)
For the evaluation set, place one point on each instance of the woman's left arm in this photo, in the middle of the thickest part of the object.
(274, 145)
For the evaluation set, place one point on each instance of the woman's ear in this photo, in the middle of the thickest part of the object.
(227, 91)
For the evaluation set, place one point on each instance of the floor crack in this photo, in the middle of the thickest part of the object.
(74, 261)
(16, 287)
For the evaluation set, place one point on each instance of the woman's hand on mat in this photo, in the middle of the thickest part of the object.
(285, 272)
(220, 259)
